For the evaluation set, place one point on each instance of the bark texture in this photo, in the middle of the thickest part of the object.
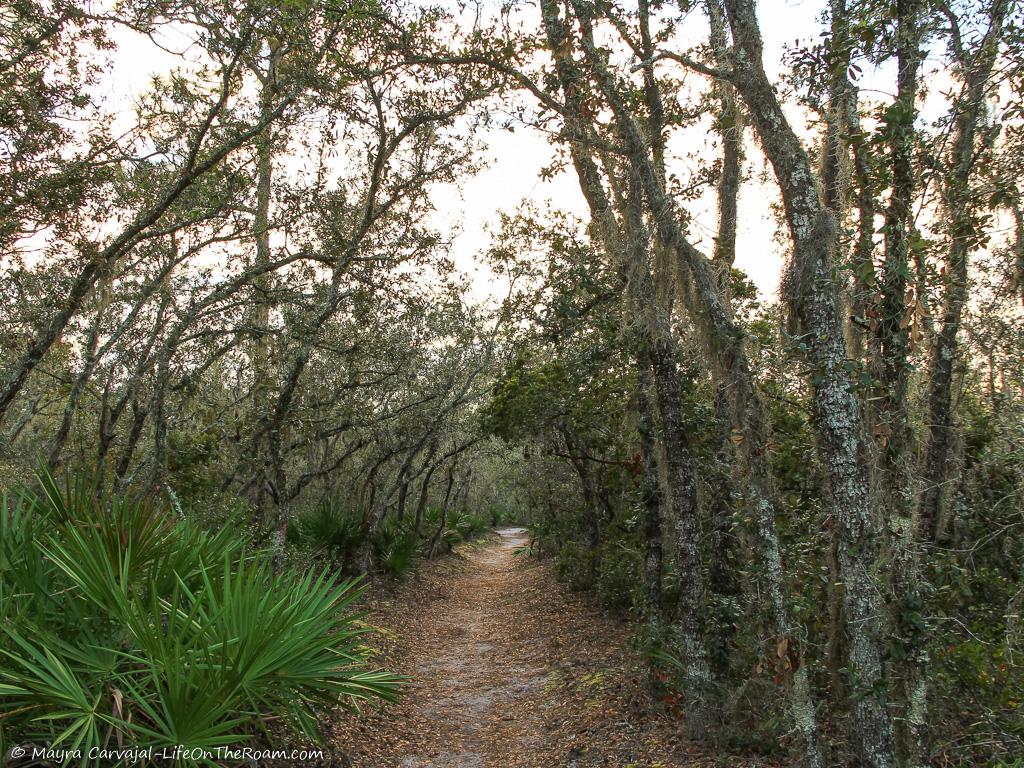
(811, 293)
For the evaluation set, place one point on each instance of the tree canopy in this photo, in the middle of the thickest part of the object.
(232, 293)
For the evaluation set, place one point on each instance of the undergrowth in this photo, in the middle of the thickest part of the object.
(123, 622)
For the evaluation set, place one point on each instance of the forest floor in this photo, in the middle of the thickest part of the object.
(508, 668)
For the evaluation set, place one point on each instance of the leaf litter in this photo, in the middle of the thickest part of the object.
(509, 668)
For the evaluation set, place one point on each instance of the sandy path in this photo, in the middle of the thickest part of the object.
(509, 669)
(476, 691)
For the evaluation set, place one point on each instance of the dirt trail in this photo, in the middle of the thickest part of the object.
(509, 669)
(477, 689)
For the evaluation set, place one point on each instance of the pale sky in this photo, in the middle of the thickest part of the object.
(514, 159)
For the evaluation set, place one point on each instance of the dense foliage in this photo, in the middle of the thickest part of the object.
(229, 300)
(125, 624)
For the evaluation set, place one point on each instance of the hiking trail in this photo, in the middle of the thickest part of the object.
(508, 669)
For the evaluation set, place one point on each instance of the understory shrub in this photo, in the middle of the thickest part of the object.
(612, 571)
(576, 565)
(332, 529)
(545, 536)
(394, 548)
(339, 532)
(499, 517)
(459, 525)
(619, 575)
(122, 622)
(466, 524)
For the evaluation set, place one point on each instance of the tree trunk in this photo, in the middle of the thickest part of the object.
(686, 537)
(976, 68)
(724, 342)
(961, 210)
(421, 505)
(650, 493)
(439, 532)
(811, 294)
(730, 128)
(77, 388)
(403, 490)
(262, 305)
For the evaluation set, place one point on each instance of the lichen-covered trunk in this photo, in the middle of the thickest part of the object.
(730, 128)
(649, 316)
(421, 504)
(863, 341)
(139, 414)
(685, 524)
(403, 491)
(730, 366)
(811, 293)
(435, 538)
(265, 489)
(889, 420)
(961, 210)
(842, 452)
(724, 342)
(89, 362)
(650, 490)
(632, 254)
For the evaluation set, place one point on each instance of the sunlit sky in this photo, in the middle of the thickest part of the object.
(515, 160)
(468, 212)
